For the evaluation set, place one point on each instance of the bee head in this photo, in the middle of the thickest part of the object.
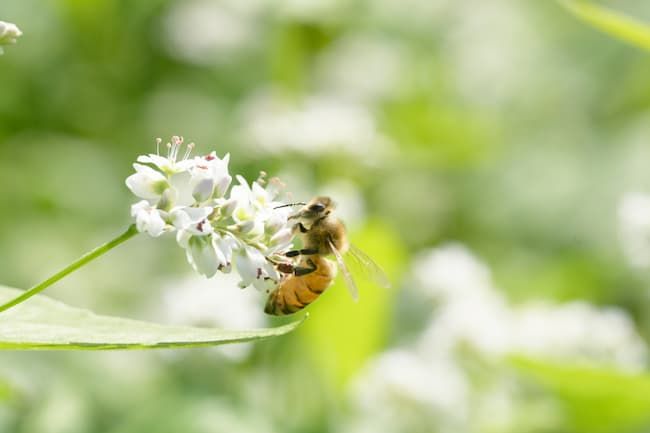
(318, 207)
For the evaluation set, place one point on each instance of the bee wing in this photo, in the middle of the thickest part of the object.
(370, 267)
(347, 276)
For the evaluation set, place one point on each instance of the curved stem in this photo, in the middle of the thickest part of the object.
(83, 260)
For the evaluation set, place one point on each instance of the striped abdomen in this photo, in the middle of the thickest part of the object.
(295, 293)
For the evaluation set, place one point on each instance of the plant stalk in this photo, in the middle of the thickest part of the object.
(83, 260)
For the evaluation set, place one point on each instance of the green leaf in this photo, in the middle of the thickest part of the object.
(614, 23)
(594, 399)
(43, 323)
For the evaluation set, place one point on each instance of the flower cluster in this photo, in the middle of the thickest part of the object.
(9, 32)
(219, 226)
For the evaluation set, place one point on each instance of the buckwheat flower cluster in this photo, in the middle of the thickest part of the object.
(9, 32)
(219, 226)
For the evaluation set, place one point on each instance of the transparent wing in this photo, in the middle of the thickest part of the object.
(371, 268)
(347, 276)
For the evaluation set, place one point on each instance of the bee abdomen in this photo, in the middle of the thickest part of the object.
(292, 296)
(295, 293)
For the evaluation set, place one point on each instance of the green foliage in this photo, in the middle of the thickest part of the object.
(614, 23)
(342, 334)
(595, 400)
(43, 323)
(510, 127)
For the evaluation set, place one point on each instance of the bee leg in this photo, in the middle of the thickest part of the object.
(300, 227)
(303, 252)
(285, 268)
(300, 271)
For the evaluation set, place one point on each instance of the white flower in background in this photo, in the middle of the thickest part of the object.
(634, 228)
(401, 391)
(491, 47)
(578, 330)
(482, 323)
(204, 32)
(472, 312)
(219, 229)
(320, 124)
(472, 325)
(310, 11)
(197, 302)
(9, 32)
(364, 67)
(451, 272)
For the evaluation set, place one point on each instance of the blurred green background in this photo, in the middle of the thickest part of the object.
(479, 151)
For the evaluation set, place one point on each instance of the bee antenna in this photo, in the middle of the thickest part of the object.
(290, 204)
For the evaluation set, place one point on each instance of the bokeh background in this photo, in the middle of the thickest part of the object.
(492, 156)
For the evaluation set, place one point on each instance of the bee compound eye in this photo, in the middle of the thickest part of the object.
(317, 207)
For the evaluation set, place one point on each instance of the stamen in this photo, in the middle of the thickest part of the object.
(188, 151)
(261, 178)
(176, 144)
(277, 182)
(169, 150)
(158, 141)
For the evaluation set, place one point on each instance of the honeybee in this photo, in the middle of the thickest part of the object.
(322, 235)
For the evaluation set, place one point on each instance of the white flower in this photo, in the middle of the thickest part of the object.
(349, 67)
(579, 330)
(206, 31)
(210, 176)
(255, 269)
(148, 219)
(472, 313)
(147, 183)
(202, 254)
(430, 385)
(245, 227)
(9, 32)
(451, 272)
(634, 228)
(401, 385)
(320, 124)
(191, 220)
(170, 164)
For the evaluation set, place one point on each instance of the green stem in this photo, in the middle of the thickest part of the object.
(83, 260)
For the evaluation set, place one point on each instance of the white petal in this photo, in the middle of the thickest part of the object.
(250, 265)
(156, 225)
(184, 217)
(222, 184)
(245, 267)
(183, 239)
(225, 244)
(275, 222)
(181, 182)
(203, 189)
(149, 219)
(163, 163)
(283, 237)
(167, 199)
(146, 182)
(204, 257)
(260, 196)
